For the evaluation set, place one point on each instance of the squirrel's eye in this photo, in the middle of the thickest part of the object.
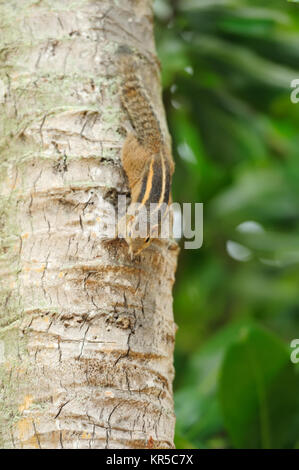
(147, 239)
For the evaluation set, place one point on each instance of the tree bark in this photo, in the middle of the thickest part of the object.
(87, 334)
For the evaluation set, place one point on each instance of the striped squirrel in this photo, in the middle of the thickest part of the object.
(146, 159)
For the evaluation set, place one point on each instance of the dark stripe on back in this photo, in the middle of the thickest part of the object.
(156, 188)
(143, 185)
(167, 182)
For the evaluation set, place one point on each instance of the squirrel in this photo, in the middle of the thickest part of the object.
(145, 157)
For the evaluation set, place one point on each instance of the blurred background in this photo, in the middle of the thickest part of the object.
(227, 72)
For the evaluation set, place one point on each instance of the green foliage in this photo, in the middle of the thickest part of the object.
(227, 72)
(258, 378)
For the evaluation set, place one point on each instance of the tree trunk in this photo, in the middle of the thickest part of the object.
(86, 333)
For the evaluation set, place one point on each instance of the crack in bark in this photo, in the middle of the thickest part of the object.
(36, 434)
(83, 342)
(108, 429)
(61, 407)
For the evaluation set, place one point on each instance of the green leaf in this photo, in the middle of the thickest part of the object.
(259, 392)
(196, 404)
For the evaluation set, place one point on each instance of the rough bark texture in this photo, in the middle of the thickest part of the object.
(87, 333)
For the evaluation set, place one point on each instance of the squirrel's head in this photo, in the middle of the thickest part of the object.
(136, 245)
(137, 237)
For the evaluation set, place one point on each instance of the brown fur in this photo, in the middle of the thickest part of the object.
(145, 157)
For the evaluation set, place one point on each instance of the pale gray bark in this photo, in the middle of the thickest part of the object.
(88, 334)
